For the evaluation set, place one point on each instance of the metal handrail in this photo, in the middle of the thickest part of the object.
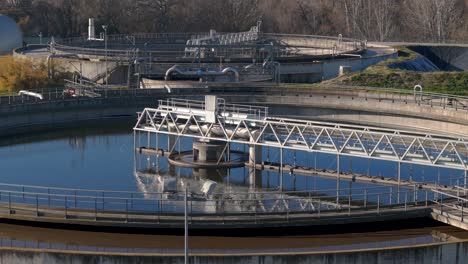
(261, 205)
(73, 191)
(445, 101)
(390, 90)
(258, 111)
(125, 49)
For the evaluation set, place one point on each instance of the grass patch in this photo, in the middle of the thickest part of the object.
(380, 75)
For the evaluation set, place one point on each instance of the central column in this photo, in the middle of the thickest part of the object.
(255, 157)
(207, 150)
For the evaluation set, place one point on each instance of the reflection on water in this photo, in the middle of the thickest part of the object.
(103, 158)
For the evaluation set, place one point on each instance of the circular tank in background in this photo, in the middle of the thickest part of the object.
(10, 35)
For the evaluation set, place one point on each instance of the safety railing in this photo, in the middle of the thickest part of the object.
(190, 105)
(444, 101)
(452, 205)
(172, 45)
(63, 94)
(257, 112)
(406, 96)
(90, 205)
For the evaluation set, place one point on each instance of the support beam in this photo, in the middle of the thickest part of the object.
(281, 170)
(338, 177)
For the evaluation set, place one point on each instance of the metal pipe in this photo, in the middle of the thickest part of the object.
(91, 29)
(33, 94)
(225, 71)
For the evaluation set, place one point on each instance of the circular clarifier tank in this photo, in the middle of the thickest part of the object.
(10, 35)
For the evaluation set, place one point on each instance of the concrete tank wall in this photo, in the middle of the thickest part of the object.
(456, 253)
(319, 105)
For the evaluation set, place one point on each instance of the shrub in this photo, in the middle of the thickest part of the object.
(23, 74)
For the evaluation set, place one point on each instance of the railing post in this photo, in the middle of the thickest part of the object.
(222, 208)
(37, 205)
(158, 210)
(390, 196)
(406, 200)
(255, 211)
(349, 205)
(415, 195)
(66, 202)
(378, 203)
(462, 213)
(441, 202)
(426, 199)
(319, 207)
(126, 210)
(365, 198)
(95, 209)
(9, 202)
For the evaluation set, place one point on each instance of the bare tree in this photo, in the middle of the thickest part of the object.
(352, 10)
(436, 18)
(238, 14)
(385, 18)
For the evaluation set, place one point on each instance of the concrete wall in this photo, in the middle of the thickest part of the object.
(328, 69)
(292, 71)
(91, 69)
(334, 108)
(456, 253)
(327, 105)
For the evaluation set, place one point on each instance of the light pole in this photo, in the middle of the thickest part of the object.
(105, 47)
(186, 238)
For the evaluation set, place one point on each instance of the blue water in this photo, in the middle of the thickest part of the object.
(103, 158)
(91, 161)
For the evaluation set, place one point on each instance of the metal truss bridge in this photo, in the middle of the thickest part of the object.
(252, 125)
(214, 120)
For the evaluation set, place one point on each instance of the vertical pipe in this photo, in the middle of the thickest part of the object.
(186, 245)
(315, 170)
(107, 69)
(134, 150)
